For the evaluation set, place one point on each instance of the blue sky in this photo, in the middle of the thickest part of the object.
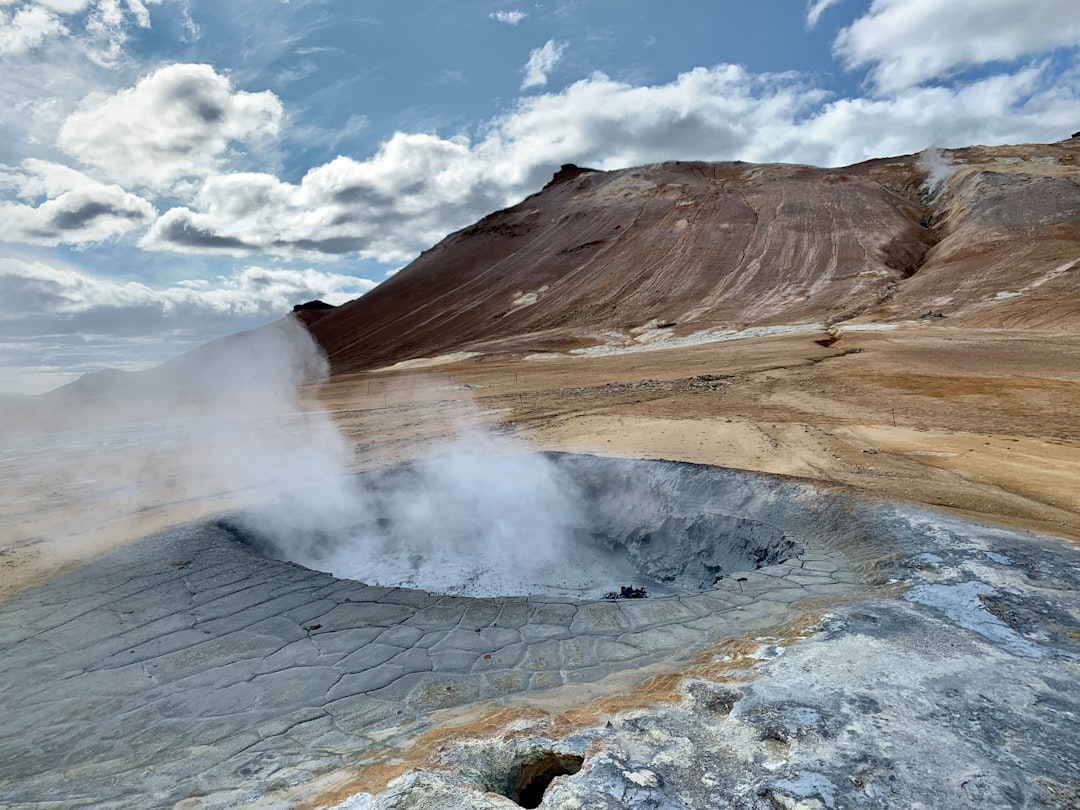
(176, 170)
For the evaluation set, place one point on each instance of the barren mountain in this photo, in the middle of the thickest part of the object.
(985, 236)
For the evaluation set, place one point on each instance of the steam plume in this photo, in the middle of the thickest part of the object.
(938, 169)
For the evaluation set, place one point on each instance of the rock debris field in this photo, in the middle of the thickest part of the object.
(192, 669)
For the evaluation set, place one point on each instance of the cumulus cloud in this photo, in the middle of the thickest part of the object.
(26, 28)
(541, 62)
(727, 112)
(909, 42)
(508, 17)
(176, 124)
(67, 206)
(387, 207)
(98, 28)
(1010, 108)
(720, 112)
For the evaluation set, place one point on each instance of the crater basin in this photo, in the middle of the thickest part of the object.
(557, 525)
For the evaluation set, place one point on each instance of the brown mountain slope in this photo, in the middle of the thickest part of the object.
(601, 257)
(1007, 223)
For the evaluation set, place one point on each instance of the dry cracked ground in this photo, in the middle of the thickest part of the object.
(917, 644)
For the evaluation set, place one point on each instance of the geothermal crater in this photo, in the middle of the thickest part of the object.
(570, 526)
(190, 669)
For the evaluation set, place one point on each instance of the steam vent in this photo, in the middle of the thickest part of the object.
(666, 528)
(214, 666)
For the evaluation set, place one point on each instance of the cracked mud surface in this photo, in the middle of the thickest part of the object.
(187, 670)
(940, 698)
(204, 668)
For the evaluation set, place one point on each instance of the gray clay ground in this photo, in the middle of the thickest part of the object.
(188, 669)
(961, 693)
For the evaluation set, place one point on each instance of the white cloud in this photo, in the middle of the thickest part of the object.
(141, 12)
(65, 6)
(909, 42)
(508, 17)
(727, 112)
(26, 28)
(97, 28)
(816, 9)
(107, 33)
(541, 62)
(298, 72)
(314, 49)
(174, 125)
(718, 112)
(43, 295)
(1010, 108)
(387, 207)
(76, 209)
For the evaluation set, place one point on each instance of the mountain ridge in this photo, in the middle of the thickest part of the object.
(596, 257)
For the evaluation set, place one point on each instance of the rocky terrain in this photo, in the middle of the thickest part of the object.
(866, 376)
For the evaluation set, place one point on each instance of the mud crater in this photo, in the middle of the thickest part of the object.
(665, 527)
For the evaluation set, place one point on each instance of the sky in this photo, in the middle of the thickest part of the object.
(172, 171)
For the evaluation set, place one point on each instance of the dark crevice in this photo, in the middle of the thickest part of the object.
(535, 775)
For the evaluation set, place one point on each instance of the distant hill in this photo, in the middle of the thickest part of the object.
(982, 236)
(249, 374)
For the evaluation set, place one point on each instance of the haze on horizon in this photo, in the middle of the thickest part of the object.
(171, 172)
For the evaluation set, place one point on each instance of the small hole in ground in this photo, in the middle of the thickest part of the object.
(536, 774)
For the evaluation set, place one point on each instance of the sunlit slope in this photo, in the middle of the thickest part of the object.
(694, 246)
(1006, 224)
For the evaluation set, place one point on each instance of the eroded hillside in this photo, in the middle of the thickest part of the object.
(984, 236)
